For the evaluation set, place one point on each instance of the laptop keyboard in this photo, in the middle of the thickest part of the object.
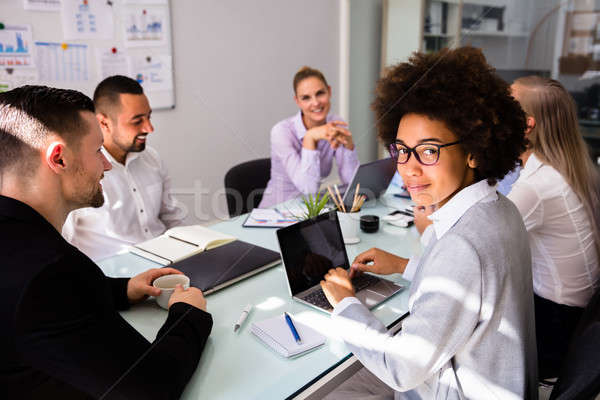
(359, 282)
(318, 299)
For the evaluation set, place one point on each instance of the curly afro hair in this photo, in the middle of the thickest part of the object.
(460, 89)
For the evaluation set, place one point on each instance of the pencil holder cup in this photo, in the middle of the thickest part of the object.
(349, 223)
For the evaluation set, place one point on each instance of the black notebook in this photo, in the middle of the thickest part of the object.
(222, 266)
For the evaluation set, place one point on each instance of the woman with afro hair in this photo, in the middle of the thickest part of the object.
(455, 130)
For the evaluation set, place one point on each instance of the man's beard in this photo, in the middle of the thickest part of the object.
(92, 198)
(136, 148)
(97, 200)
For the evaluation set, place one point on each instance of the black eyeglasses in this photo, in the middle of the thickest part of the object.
(426, 153)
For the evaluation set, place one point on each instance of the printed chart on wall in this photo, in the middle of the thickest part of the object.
(63, 62)
(87, 19)
(15, 47)
(77, 43)
(42, 5)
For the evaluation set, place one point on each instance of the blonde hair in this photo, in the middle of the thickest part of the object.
(307, 72)
(555, 140)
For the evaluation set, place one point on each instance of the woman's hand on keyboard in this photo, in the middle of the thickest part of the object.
(377, 261)
(337, 286)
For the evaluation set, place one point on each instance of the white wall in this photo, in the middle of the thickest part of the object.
(234, 63)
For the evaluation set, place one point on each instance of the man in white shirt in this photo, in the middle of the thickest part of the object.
(139, 204)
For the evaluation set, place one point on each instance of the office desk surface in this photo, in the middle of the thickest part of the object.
(238, 365)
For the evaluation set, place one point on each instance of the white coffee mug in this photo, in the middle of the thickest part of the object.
(349, 223)
(166, 284)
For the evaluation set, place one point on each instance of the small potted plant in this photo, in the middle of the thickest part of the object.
(314, 205)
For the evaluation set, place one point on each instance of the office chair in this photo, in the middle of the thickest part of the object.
(245, 184)
(580, 374)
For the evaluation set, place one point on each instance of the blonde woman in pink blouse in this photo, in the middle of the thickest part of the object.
(303, 146)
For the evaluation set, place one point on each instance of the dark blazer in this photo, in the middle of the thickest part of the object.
(62, 336)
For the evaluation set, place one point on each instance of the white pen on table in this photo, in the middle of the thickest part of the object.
(242, 317)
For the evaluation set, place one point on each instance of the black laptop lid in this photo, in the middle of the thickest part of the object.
(311, 248)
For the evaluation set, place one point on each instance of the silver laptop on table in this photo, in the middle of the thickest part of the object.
(311, 248)
(374, 179)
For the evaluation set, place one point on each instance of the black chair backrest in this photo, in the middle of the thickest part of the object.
(580, 373)
(245, 184)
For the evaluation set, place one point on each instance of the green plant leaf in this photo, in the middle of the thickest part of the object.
(314, 205)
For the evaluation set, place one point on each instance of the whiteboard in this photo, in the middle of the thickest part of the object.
(75, 44)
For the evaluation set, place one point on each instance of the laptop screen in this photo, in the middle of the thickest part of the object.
(311, 248)
(374, 178)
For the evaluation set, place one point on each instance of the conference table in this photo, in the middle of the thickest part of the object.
(239, 365)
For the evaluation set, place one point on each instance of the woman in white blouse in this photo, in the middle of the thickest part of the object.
(558, 196)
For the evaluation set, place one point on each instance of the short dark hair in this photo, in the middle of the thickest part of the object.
(28, 114)
(307, 72)
(459, 88)
(107, 93)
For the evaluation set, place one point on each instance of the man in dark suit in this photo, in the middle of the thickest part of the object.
(62, 336)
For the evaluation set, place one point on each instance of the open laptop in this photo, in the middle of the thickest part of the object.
(311, 248)
(374, 178)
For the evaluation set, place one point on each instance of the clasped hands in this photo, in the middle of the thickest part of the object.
(334, 132)
(140, 287)
(337, 283)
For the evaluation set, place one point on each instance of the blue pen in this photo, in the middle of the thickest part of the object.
(292, 328)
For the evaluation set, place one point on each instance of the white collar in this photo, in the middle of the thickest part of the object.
(533, 164)
(445, 218)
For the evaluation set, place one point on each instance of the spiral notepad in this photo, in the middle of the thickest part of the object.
(276, 333)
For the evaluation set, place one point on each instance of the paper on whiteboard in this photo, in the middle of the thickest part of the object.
(15, 47)
(84, 19)
(159, 2)
(41, 5)
(154, 73)
(63, 62)
(110, 63)
(145, 27)
(18, 77)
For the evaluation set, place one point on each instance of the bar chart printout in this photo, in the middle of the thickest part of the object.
(144, 27)
(41, 5)
(15, 47)
(62, 62)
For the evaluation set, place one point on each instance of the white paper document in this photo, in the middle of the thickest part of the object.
(269, 218)
(87, 19)
(17, 77)
(113, 63)
(41, 5)
(16, 47)
(154, 73)
(145, 27)
(155, 2)
(63, 62)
